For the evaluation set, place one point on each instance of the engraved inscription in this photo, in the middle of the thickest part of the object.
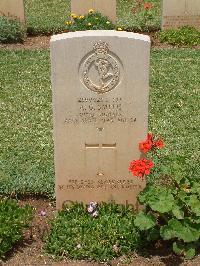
(188, 16)
(100, 110)
(178, 21)
(114, 184)
(100, 71)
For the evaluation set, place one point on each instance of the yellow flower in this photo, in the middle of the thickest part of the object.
(68, 23)
(89, 24)
(107, 22)
(90, 11)
(186, 188)
(81, 17)
(73, 15)
(119, 29)
(96, 18)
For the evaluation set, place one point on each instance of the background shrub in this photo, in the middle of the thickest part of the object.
(76, 234)
(92, 21)
(186, 36)
(11, 31)
(13, 220)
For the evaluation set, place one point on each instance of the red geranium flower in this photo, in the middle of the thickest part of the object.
(150, 144)
(148, 6)
(146, 145)
(150, 137)
(159, 143)
(140, 167)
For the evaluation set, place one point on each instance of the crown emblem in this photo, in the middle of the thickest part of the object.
(100, 71)
(101, 48)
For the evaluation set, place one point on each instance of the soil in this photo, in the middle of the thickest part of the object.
(42, 42)
(38, 42)
(30, 251)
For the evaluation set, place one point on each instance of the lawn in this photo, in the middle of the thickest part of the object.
(49, 16)
(26, 158)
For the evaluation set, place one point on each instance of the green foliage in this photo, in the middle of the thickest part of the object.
(185, 36)
(92, 21)
(158, 199)
(177, 219)
(187, 250)
(11, 31)
(144, 222)
(13, 220)
(76, 234)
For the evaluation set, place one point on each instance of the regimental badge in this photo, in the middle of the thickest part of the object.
(101, 70)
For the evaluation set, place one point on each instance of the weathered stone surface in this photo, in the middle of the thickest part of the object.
(178, 13)
(12, 9)
(81, 7)
(100, 85)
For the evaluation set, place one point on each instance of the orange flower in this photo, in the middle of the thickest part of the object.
(159, 144)
(148, 6)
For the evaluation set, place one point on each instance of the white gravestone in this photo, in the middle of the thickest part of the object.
(178, 13)
(81, 7)
(13, 9)
(100, 85)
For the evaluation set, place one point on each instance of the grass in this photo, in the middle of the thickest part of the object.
(174, 101)
(49, 16)
(46, 16)
(26, 158)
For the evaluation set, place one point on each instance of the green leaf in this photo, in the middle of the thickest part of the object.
(188, 250)
(188, 234)
(159, 199)
(175, 229)
(154, 234)
(179, 214)
(162, 201)
(194, 203)
(195, 188)
(190, 253)
(183, 196)
(144, 221)
(178, 248)
(146, 194)
(170, 231)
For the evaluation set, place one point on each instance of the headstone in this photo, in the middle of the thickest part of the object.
(100, 83)
(178, 13)
(81, 7)
(13, 9)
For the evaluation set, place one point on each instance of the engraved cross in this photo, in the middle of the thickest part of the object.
(100, 146)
